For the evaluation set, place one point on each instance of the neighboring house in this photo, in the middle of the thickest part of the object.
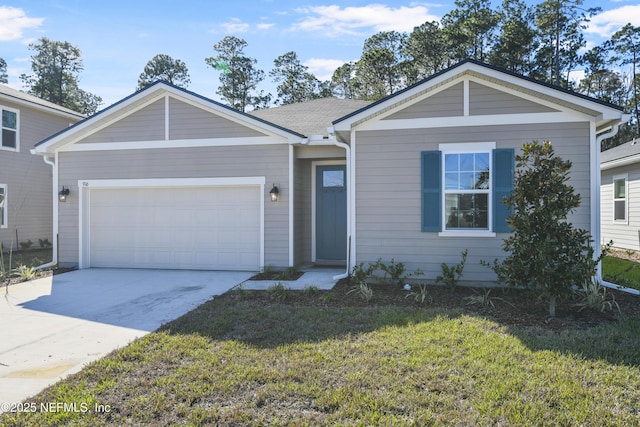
(620, 195)
(168, 179)
(25, 180)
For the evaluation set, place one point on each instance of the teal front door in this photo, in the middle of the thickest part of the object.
(331, 212)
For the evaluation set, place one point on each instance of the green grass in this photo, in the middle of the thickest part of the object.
(247, 363)
(621, 272)
(30, 258)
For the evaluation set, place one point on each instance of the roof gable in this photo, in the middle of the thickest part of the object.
(163, 112)
(510, 94)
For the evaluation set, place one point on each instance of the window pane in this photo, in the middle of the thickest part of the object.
(618, 189)
(451, 181)
(451, 162)
(467, 211)
(482, 161)
(466, 162)
(467, 180)
(8, 119)
(333, 179)
(620, 210)
(8, 138)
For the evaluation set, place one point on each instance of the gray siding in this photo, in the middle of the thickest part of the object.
(446, 103)
(388, 201)
(486, 100)
(146, 124)
(185, 122)
(189, 122)
(28, 180)
(270, 161)
(623, 235)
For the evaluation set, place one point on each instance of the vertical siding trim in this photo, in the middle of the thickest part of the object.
(465, 97)
(166, 117)
(291, 203)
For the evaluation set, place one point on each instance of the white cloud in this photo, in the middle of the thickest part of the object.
(335, 21)
(264, 26)
(13, 21)
(610, 21)
(235, 26)
(323, 68)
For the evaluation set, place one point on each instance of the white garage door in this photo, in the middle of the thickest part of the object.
(200, 228)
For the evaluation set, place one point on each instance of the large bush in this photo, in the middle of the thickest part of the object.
(546, 252)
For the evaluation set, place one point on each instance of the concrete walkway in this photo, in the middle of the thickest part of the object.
(52, 327)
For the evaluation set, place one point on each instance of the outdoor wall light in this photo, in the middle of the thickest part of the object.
(275, 193)
(62, 195)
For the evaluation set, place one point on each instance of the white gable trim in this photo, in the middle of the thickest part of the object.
(172, 143)
(480, 120)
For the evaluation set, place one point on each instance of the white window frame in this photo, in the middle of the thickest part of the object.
(467, 148)
(17, 129)
(3, 208)
(625, 199)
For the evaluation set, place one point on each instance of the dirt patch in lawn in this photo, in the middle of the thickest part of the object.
(505, 305)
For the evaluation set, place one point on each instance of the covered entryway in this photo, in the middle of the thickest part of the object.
(199, 227)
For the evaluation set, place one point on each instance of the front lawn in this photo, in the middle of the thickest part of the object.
(622, 272)
(326, 358)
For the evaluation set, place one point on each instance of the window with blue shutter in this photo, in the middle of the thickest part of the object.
(472, 188)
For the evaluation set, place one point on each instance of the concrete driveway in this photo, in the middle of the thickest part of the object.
(52, 327)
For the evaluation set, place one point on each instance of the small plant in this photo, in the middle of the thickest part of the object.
(451, 275)
(241, 292)
(362, 289)
(26, 273)
(327, 297)
(310, 290)
(629, 252)
(393, 272)
(290, 273)
(421, 295)
(279, 292)
(26, 245)
(44, 243)
(594, 296)
(481, 298)
(360, 274)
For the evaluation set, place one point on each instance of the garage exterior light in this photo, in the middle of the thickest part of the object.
(275, 193)
(62, 195)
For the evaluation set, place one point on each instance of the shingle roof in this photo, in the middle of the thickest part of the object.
(628, 149)
(311, 117)
(6, 91)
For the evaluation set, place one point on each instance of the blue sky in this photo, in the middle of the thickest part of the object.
(117, 38)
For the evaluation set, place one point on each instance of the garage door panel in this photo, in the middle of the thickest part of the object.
(190, 228)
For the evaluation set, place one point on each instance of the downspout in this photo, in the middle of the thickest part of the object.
(598, 179)
(347, 149)
(54, 250)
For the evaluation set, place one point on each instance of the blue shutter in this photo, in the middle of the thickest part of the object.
(431, 188)
(503, 171)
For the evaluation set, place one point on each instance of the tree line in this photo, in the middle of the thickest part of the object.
(545, 42)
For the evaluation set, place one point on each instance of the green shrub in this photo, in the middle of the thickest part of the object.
(545, 252)
(451, 275)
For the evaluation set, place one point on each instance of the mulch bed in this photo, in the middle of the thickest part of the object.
(513, 307)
